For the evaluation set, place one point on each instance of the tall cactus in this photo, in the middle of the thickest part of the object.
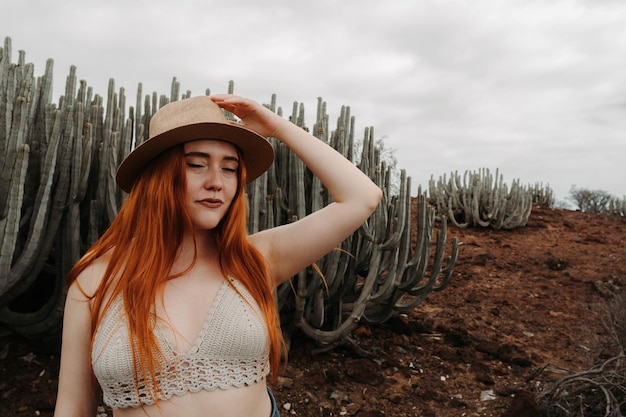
(377, 270)
(542, 195)
(481, 199)
(59, 194)
(44, 136)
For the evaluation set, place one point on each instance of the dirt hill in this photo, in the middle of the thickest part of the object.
(523, 309)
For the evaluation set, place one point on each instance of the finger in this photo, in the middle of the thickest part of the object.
(221, 96)
(224, 99)
(224, 104)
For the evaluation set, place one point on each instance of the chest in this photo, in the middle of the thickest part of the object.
(233, 328)
(231, 348)
(185, 307)
(227, 323)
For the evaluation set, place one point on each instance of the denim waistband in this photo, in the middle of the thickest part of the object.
(274, 405)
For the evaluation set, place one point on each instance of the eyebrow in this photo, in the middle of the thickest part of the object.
(206, 155)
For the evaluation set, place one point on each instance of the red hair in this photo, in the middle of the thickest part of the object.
(144, 244)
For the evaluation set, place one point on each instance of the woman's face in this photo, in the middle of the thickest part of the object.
(212, 179)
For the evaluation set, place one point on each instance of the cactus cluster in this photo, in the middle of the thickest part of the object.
(378, 270)
(58, 195)
(481, 199)
(542, 195)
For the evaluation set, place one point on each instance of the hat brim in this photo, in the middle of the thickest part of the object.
(257, 153)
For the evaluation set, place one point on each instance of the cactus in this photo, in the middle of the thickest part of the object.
(376, 271)
(40, 182)
(58, 170)
(481, 199)
(541, 195)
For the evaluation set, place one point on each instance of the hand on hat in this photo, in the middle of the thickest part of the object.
(253, 115)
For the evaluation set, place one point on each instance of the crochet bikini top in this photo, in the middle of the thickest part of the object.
(231, 350)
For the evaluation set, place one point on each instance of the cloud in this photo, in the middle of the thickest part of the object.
(534, 88)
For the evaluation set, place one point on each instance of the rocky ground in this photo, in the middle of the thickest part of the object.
(524, 308)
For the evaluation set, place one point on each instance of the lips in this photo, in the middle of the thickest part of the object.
(211, 202)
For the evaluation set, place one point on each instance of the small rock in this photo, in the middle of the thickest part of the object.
(339, 396)
(487, 395)
(284, 382)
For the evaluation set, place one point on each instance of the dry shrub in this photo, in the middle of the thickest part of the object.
(601, 390)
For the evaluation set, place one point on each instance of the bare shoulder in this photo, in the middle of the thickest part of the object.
(89, 280)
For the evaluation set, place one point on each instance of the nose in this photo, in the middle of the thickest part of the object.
(213, 180)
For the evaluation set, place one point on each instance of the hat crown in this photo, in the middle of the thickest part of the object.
(186, 112)
(191, 119)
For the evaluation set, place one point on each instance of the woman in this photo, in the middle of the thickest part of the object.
(172, 308)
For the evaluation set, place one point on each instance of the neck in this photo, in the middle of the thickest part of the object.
(202, 245)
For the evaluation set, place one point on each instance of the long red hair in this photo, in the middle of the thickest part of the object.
(143, 241)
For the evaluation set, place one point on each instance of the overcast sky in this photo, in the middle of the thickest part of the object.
(535, 88)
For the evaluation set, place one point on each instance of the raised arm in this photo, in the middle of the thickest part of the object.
(292, 247)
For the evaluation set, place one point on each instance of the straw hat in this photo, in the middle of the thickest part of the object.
(191, 119)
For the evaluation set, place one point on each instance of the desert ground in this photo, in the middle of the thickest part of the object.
(525, 307)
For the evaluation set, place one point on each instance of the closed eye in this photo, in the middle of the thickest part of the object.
(192, 165)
